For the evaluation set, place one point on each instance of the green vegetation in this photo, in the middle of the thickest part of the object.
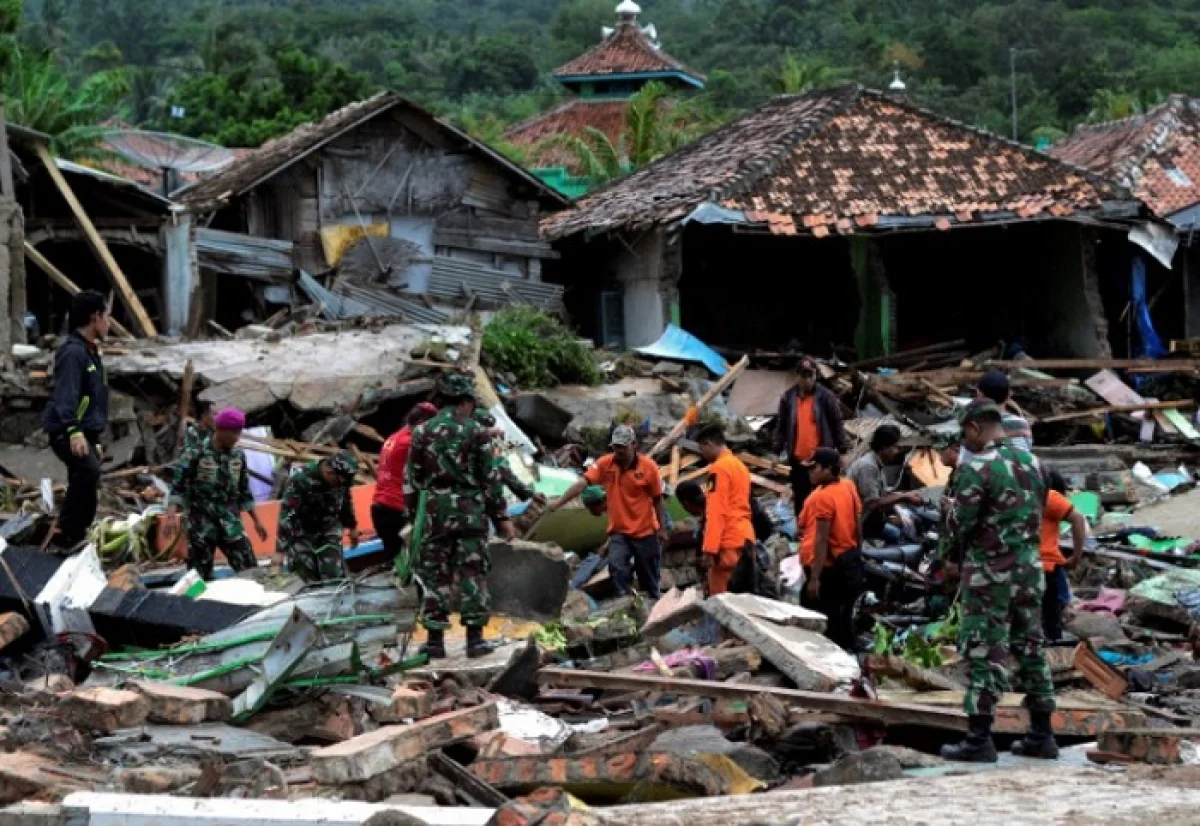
(536, 350)
(246, 70)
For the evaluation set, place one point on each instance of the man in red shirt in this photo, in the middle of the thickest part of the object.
(637, 519)
(389, 514)
(830, 545)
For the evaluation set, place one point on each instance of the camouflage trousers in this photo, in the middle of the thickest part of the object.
(209, 530)
(445, 561)
(316, 557)
(999, 617)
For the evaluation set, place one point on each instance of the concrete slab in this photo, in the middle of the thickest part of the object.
(807, 658)
(182, 706)
(528, 580)
(210, 738)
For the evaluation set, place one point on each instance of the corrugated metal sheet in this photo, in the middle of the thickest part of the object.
(455, 279)
(230, 253)
(352, 301)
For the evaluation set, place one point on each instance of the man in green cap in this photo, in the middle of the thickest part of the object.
(315, 507)
(995, 521)
(453, 463)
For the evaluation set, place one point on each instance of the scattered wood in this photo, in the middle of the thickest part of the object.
(1117, 408)
(717, 389)
(70, 287)
(1103, 677)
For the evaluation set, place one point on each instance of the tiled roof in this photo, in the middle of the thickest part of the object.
(628, 50)
(1156, 155)
(274, 156)
(837, 161)
(570, 118)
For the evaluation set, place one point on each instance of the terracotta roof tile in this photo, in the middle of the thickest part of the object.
(847, 154)
(570, 118)
(1156, 155)
(628, 50)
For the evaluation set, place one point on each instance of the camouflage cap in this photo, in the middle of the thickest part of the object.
(976, 409)
(344, 464)
(454, 385)
(943, 441)
(485, 418)
(623, 436)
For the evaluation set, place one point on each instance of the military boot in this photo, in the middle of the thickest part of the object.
(435, 646)
(477, 646)
(978, 747)
(1039, 742)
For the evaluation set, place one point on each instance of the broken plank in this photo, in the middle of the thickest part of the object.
(673, 469)
(882, 711)
(775, 487)
(128, 297)
(70, 287)
(1103, 677)
(750, 460)
(717, 389)
(1132, 365)
(1116, 408)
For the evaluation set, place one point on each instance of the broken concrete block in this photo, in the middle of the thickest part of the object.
(541, 417)
(542, 808)
(155, 779)
(182, 706)
(528, 580)
(62, 605)
(1090, 625)
(776, 629)
(519, 677)
(676, 608)
(13, 626)
(412, 700)
(644, 776)
(864, 767)
(105, 709)
(376, 752)
(694, 741)
(1164, 747)
(126, 578)
(403, 779)
(24, 776)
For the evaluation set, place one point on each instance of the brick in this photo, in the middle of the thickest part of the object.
(368, 755)
(412, 700)
(183, 706)
(1103, 677)
(1162, 747)
(13, 626)
(24, 776)
(653, 776)
(105, 709)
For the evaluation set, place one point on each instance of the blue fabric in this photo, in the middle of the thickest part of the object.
(678, 345)
(1150, 345)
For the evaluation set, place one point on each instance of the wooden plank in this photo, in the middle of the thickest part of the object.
(1132, 365)
(751, 460)
(1117, 408)
(128, 297)
(1103, 677)
(481, 242)
(673, 470)
(70, 287)
(684, 464)
(719, 387)
(774, 487)
(881, 711)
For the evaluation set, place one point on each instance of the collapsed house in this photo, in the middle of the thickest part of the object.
(383, 194)
(1156, 156)
(847, 218)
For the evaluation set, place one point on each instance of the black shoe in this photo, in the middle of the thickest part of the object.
(1039, 742)
(435, 647)
(978, 747)
(477, 646)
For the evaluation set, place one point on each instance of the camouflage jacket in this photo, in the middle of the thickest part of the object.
(996, 512)
(206, 478)
(455, 464)
(193, 436)
(309, 505)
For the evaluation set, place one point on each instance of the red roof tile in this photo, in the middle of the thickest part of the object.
(842, 158)
(571, 118)
(628, 50)
(1156, 155)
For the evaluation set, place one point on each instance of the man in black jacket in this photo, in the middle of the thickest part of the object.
(78, 413)
(810, 417)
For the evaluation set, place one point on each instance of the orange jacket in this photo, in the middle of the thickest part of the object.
(727, 513)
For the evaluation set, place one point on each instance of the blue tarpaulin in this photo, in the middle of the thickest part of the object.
(679, 345)
(1151, 344)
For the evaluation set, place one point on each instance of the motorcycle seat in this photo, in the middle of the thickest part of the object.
(908, 555)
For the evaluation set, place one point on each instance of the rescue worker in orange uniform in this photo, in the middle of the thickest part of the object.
(728, 527)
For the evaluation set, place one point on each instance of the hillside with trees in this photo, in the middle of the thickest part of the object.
(241, 71)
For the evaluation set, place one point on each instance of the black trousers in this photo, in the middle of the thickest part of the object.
(842, 583)
(388, 523)
(801, 487)
(1052, 605)
(83, 480)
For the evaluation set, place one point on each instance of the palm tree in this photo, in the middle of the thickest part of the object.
(1110, 104)
(40, 95)
(796, 77)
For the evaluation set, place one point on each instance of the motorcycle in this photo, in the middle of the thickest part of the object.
(904, 582)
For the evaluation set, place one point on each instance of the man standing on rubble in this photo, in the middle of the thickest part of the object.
(77, 414)
(452, 463)
(830, 546)
(867, 474)
(212, 484)
(996, 521)
(637, 517)
(810, 417)
(728, 528)
(389, 512)
(315, 507)
(199, 429)
(995, 387)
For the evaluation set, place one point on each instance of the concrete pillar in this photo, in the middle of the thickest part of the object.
(180, 273)
(640, 273)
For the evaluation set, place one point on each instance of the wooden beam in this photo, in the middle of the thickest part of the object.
(1116, 408)
(129, 298)
(1132, 365)
(682, 425)
(885, 712)
(70, 287)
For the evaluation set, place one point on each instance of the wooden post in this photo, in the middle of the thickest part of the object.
(185, 404)
(71, 288)
(7, 190)
(128, 297)
(717, 389)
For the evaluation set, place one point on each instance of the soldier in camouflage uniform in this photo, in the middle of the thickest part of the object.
(315, 507)
(200, 429)
(996, 515)
(453, 463)
(211, 482)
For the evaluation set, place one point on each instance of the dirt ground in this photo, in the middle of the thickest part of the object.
(1177, 516)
